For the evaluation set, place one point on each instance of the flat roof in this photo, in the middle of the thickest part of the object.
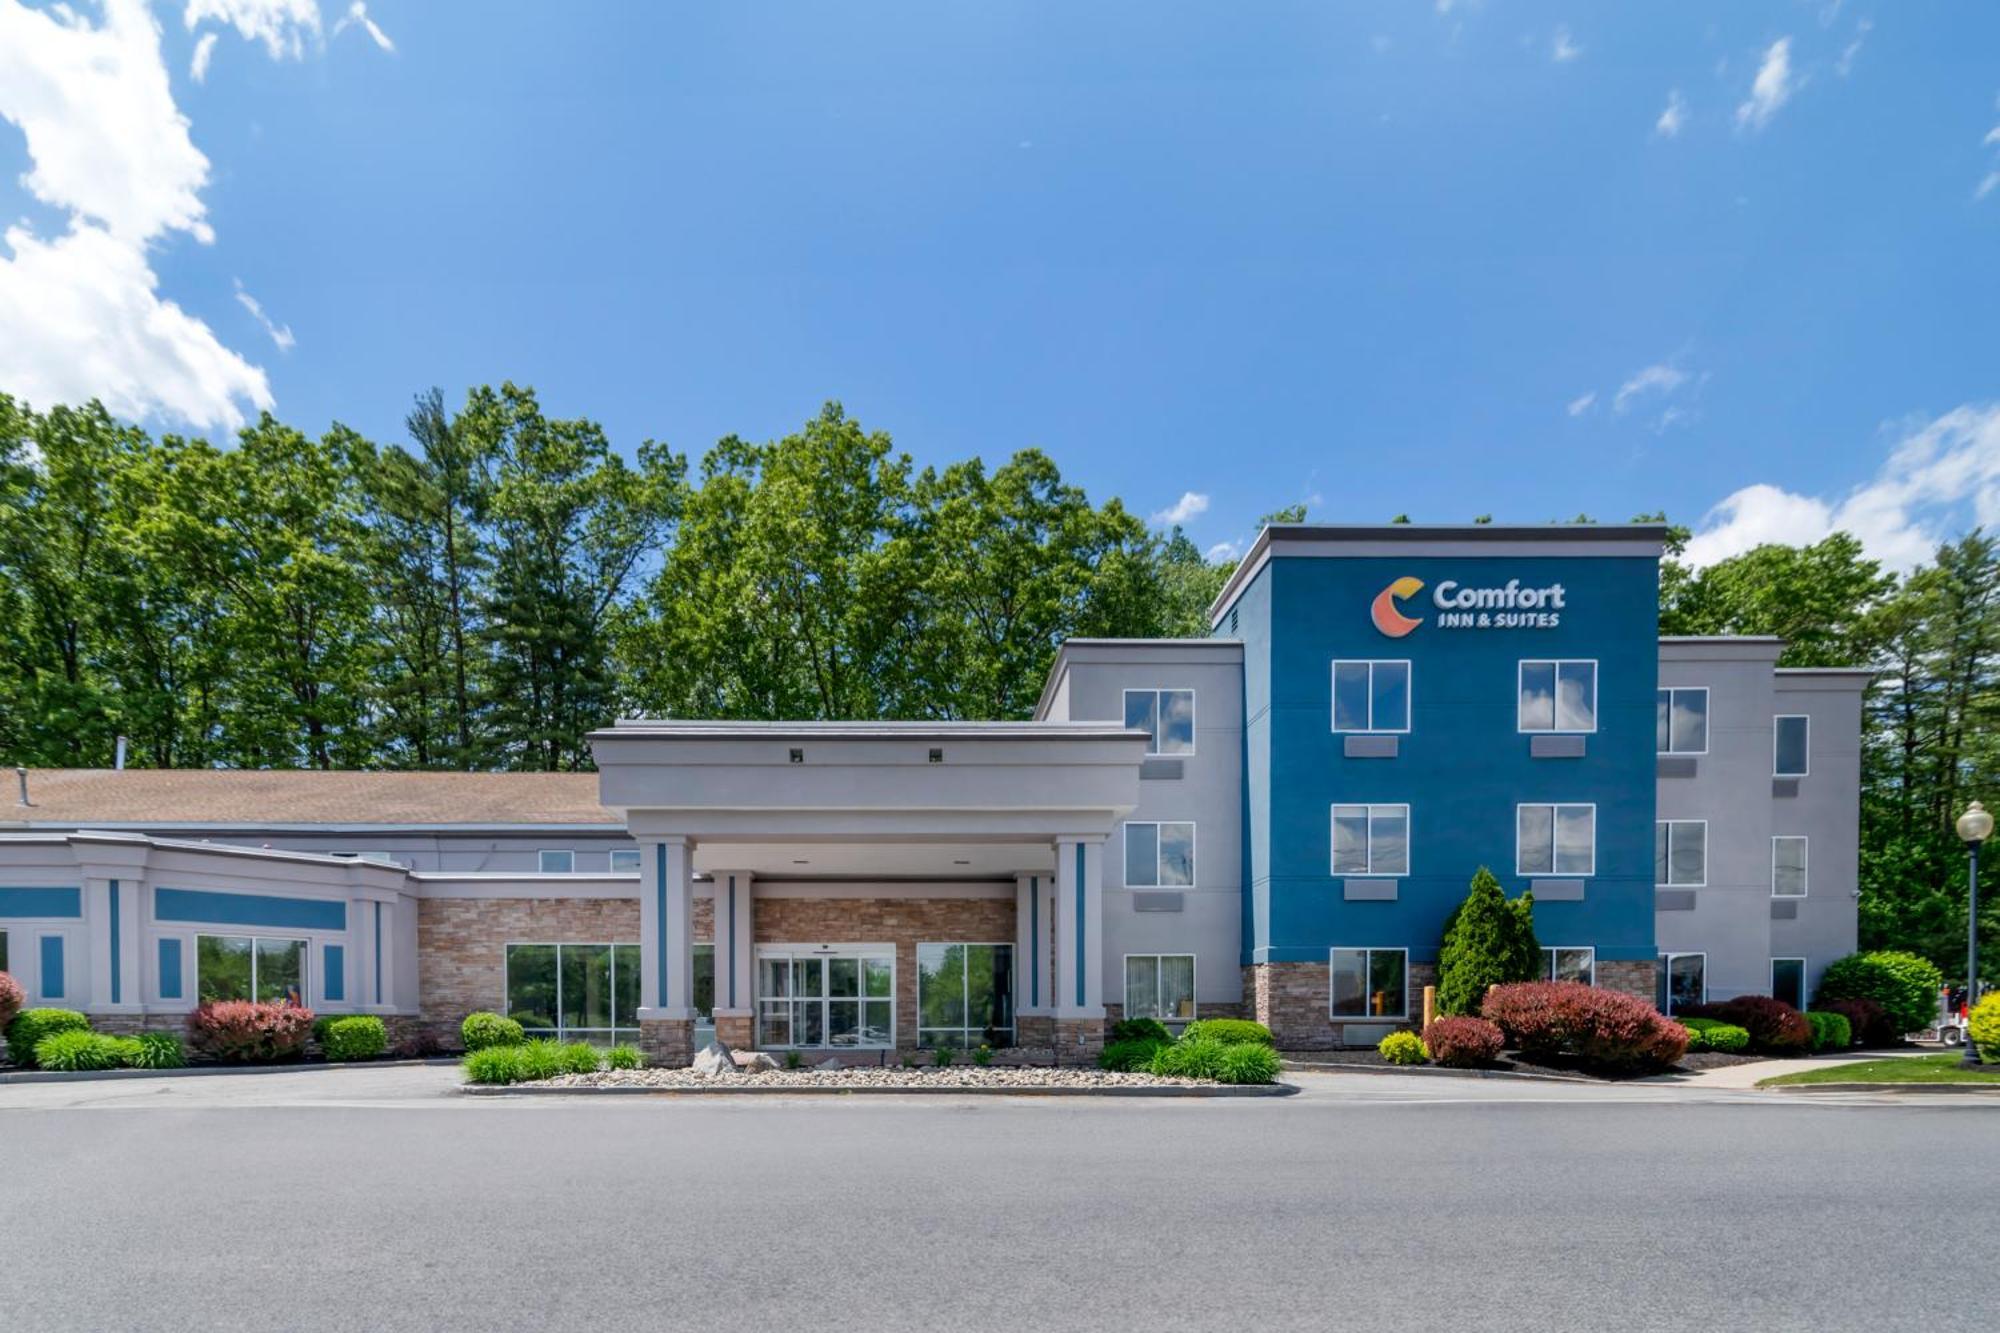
(630, 728)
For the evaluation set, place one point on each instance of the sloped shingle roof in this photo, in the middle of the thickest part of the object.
(96, 797)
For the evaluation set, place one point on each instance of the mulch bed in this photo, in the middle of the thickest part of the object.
(1516, 1062)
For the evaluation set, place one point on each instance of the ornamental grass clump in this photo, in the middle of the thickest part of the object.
(1597, 1027)
(1402, 1048)
(30, 1026)
(1134, 1055)
(1248, 1062)
(156, 1050)
(75, 1049)
(1463, 1042)
(623, 1056)
(250, 1032)
(1191, 1057)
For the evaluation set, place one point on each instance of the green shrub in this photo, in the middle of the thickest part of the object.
(530, 1061)
(909, 1059)
(1248, 1062)
(483, 1029)
(942, 1057)
(982, 1055)
(1904, 984)
(1138, 1029)
(1231, 1032)
(580, 1057)
(1712, 1034)
(1830, 1032)
(622, 1056)
(1983, 1028)
(494, 1064)
(74, 1049)
(793, 1060)
(156, 1050)
(31, 1025)
(1488, 941)
(1191, 1057)
(1130, 1056)
(1403, 1048)
(355, 1037)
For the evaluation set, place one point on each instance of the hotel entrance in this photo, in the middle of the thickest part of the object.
(838, 996)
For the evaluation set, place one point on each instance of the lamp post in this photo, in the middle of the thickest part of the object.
(1974, 827)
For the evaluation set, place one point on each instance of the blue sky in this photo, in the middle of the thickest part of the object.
(1729, 260)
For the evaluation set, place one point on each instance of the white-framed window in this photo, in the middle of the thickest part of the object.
(1788, 981)
(1557, 694)
(1159, 855)
(1791, 748)
(1369, 983)
(1681, 720)
(1788, 866)
(1159, 985)
(1371, 695)
(625, 861)
(1680, 853)
(1683, 980)
(1166, 716)
(1555, 839)
(965, 996)
(266, 968)
(1563, 962)
(582, 991)
(1371, 839)
(557, 862)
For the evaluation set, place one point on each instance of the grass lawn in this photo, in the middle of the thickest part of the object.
(1942, 1068)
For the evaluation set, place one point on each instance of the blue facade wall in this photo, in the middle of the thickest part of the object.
(206, 907)
(1463, 766)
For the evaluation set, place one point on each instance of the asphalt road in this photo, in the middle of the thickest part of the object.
(376, 1200)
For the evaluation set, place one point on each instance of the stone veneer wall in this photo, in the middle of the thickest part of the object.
(1293, 999)
(1640, 979)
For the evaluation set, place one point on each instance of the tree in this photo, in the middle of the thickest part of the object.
(1818, 598)
(1488, 940)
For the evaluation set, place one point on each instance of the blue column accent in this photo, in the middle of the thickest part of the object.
(378, 953)
(732, 941)
(1034, 941)
(336, 973)
(117, 979)
(170, 969)
(660, 916)
(1081, 895)
(52, 967)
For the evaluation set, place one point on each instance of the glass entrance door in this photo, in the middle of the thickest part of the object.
(826, 997)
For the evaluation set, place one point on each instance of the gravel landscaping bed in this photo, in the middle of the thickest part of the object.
(952, 1079)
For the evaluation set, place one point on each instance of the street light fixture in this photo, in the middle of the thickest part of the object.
(1974, 827)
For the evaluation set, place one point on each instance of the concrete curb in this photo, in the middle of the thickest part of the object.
(202, 1071)
(1433, 1071)
(912, 1089)
(1971, 1089)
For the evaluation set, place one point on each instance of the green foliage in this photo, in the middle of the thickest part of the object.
(529, 1061)
(1191, 1057)
(793, 1060)
(493, 1064)
(1830, 1032)
(1247, 1062)
(1403, 1048)
(1134, 1054)
(982, 1055)
(1230, 1032)
(481, 1030)
(30, 1026)
(1712, 1034)
(942, 1057)
(1138, 1029)
(73, 1049)
(1904, 984)
(1488, 941)
(1983, 1028)
(910, 1059)
(156, 1050)
(623, 1056)
(353, 1037)
(580, 1057)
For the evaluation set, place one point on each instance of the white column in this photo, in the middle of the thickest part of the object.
(666, 930)
(1034, 982)
(1079, 969)
(735, 983)
(87, 984)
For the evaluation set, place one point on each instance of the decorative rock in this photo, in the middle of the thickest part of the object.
(829, 1065)
(714, 1059)
(751, 1062)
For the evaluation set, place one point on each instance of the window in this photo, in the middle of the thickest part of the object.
(1683, 980)
(1681, 722)
(1555, 840)
(1570, 964)
(1788, 981)
(625, 861)
(1680, 853)
(250, 967)
(1167, 716)
(826, 999)
(575, 992)
(1371, 696)
(1159, 856)
(1159, 986)
(558, 863)
(1788, 866)
(1789, 746)
(1558, 696)
(965, 995)
(1369, 983)
(1371, 839)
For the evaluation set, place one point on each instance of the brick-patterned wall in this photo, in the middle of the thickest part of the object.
(904, 922)
(1292, 1000)
(462, 946)
(1640, 979)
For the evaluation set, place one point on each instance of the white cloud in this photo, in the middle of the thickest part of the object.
(283, 26)
(1771, 89)
(1845, 65)
(1582, 403)
(1561, 49)
(204, 51)
(280, 334)
(1987, 185)
(1188, 506)
(1670, 121)
(357, 15)
(1660, 379)
(1941, 477)
(1225, 551)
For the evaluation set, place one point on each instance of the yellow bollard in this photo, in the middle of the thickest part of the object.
(1430, 1004)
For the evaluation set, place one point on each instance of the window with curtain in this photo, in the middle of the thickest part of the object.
(1160, 986)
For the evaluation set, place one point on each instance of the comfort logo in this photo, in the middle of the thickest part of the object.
(1387, 618)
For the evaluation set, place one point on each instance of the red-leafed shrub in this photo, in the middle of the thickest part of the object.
(1775, 1027)
(1865, 1020)
(245, 1033)
(1599, 1027)
(12, 997)
(1463, 1043)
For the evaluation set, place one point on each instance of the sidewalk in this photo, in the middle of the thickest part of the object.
(1751, 1074)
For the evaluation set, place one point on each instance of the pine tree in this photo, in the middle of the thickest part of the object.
(1488, 940)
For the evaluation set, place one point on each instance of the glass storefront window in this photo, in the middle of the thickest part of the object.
(250, 967)
(1369, 983)
(575, 992)
(965, 995)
